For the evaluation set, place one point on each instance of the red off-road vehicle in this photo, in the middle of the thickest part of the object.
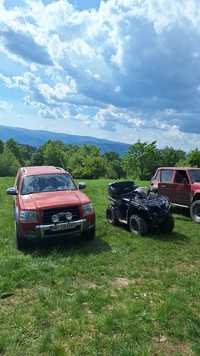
(181, 186)
(48, 204)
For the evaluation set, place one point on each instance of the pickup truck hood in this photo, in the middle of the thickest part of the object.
(53, 199)
(196, 187)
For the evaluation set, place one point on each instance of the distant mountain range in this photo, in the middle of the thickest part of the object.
(36, 138)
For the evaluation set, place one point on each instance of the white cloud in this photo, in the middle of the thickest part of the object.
(131, 63)
(6, 80)
(110, 117)
(5, 106)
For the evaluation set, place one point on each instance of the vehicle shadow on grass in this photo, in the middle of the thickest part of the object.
(68, 247)
(181, 213)
(174, 236)
(171, 237)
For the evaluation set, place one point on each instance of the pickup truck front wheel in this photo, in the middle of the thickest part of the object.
(21, 243)
(195, 211)
(90, 234)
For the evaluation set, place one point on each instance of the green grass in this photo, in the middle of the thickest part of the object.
(119, 295)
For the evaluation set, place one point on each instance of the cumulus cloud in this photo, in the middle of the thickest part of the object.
(111, 116)
(128, 63)
(24, 46)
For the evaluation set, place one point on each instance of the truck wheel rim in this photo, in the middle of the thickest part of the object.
(197, 211)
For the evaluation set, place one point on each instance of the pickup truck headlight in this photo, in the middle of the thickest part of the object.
(87, 209)
(28, 216)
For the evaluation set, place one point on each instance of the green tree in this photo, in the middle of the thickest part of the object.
(26, 153)
(37, 158)
(86, 162)
(111, 156)
(170, 156)
(1, 146)
(113, 165)
(141, 160)
(8, 163)
(13, 146)
(194, 158)
(53, 154)
(114, 170)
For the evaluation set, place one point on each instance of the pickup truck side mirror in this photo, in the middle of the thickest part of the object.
(11, 191)
(82, 185)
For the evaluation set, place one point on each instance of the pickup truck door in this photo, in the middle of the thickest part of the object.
(182, 194)
(166, 186)
(182, 188)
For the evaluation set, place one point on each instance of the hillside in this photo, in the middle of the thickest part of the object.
(36, 138)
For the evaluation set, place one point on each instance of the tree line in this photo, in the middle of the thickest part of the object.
(87, 161)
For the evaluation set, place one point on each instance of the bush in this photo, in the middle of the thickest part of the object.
(8, 163)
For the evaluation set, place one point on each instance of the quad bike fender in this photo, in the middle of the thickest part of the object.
(135, 211)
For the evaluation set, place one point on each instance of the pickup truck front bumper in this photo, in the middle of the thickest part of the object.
(59, 228)
(71, 229)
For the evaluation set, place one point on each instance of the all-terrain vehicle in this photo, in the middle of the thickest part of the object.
(142, 211)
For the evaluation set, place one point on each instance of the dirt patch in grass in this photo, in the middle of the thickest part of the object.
(187, 267)
(89, 285)
(87, 310)
(20, 296)
(162, 346)
(120, 282)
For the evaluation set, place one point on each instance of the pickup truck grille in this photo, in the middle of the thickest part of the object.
(74, 210)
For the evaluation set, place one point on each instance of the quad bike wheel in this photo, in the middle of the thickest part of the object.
(137, 225)
(168, 225)
(110, 216)
(195, 211)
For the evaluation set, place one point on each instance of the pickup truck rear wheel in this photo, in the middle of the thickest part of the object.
(195, 211)
(137, 225)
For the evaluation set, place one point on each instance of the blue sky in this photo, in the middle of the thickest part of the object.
(117, 69)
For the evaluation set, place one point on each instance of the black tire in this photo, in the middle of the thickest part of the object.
(137, 225)
(168, 225)
(195, 211)
(90, 234)
(111, 217)
(21, 243)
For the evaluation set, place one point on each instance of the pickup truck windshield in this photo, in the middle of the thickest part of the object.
(195, 175)
(47, 183)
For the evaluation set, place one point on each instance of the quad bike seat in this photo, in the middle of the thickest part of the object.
(117, 190)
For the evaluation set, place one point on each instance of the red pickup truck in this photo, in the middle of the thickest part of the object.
(181, 186)
(48, 204)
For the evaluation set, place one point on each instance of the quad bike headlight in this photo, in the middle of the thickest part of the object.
(29, 216)
(87, 209)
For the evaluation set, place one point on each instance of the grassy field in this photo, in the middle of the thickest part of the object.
(119, 295)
